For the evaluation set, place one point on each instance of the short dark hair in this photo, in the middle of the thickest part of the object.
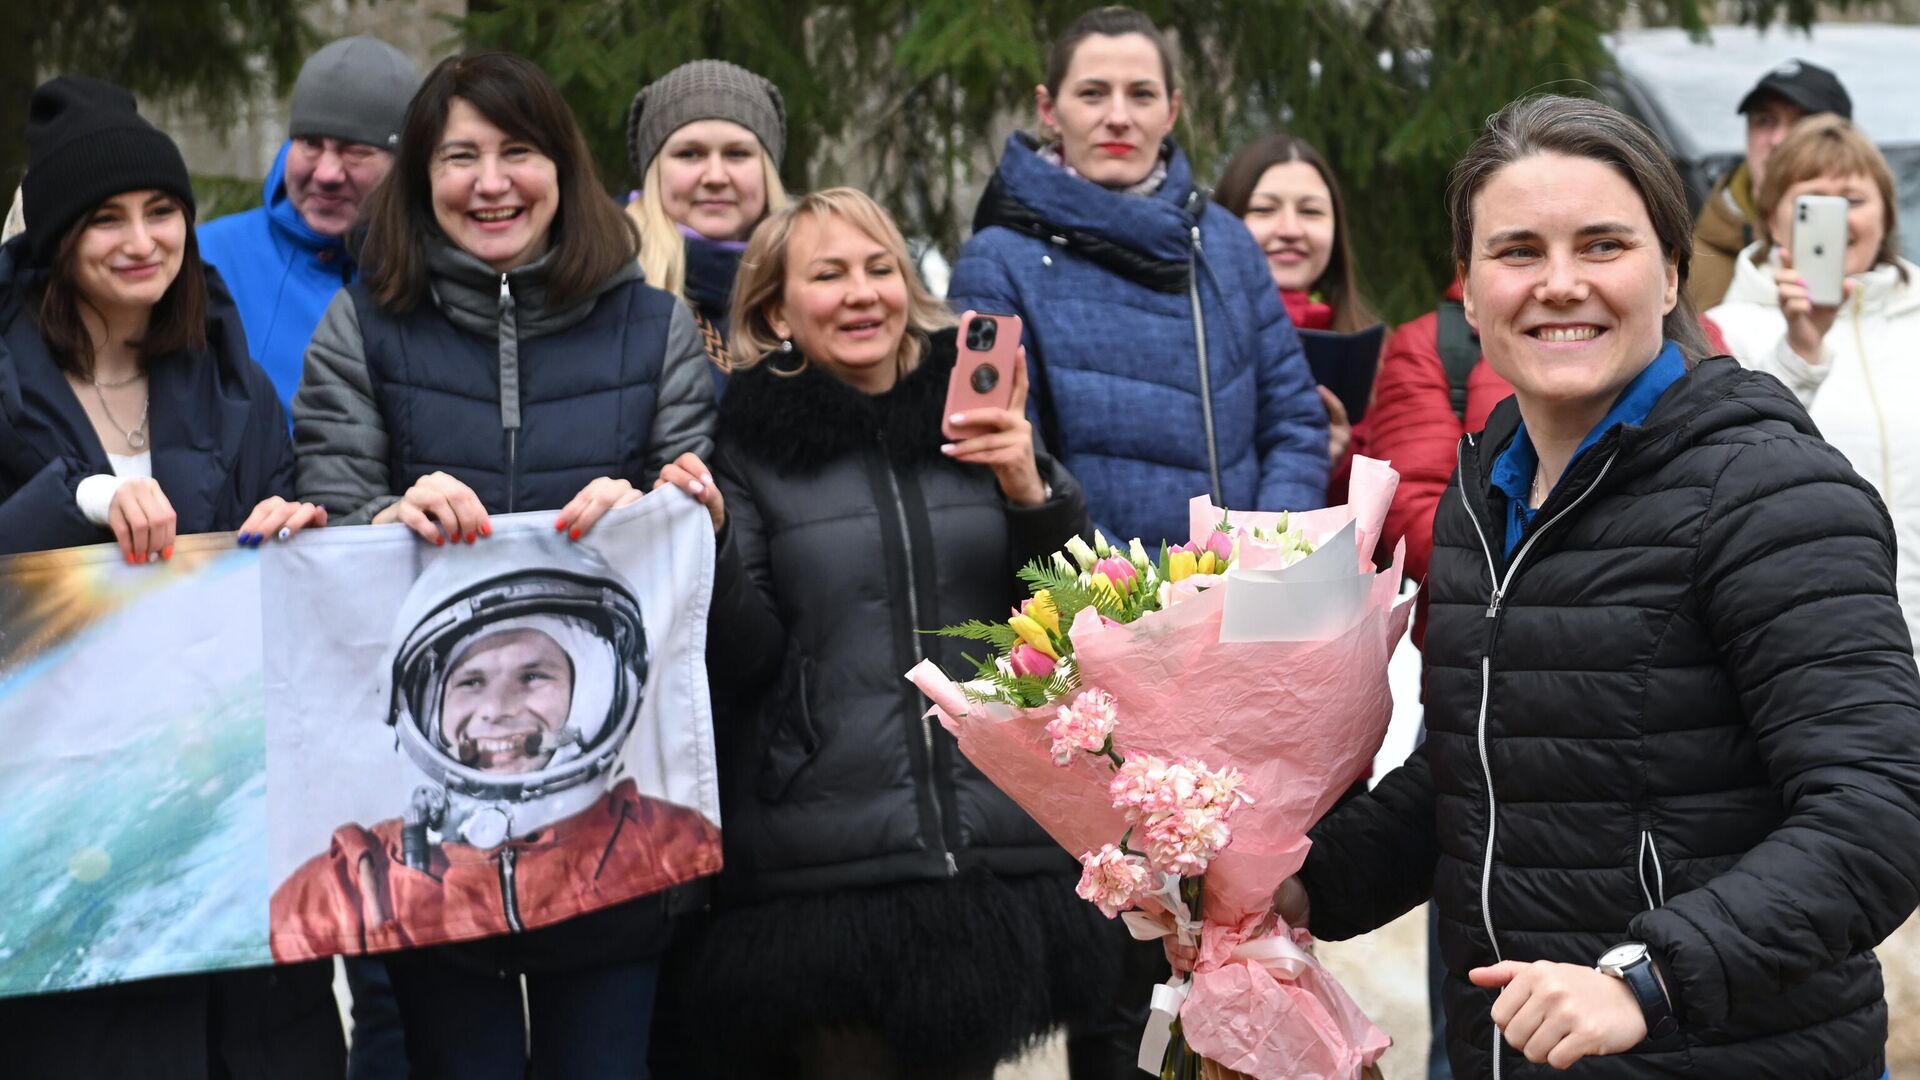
(1114, 21)
(1235, 192)
(178, 321)
(590, 238)
(1583, 128)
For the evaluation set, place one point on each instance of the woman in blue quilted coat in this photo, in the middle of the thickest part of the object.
(1163, 364)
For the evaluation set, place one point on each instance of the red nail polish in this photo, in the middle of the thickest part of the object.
(439, 540)
(167, 552)
(576, 534)
(470, 537)
(560, 525)
(487, 529)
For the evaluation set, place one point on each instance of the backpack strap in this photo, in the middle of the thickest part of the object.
(1459, 349)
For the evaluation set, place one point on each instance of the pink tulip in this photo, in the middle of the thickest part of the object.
(1221, 544)
(1119, 571)
(1027, 660)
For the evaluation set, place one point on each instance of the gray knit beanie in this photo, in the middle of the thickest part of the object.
(704, 90)
(356, 89)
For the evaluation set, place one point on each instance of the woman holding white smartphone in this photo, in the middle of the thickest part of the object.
(1850, 362)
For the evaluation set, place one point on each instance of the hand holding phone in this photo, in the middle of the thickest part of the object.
(1812, 276)
(1820, 247)
(988, 392)
(983, 373)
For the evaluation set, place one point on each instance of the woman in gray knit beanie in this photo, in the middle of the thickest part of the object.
(705, 141)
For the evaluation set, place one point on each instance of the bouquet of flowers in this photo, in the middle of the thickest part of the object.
(1179, 721)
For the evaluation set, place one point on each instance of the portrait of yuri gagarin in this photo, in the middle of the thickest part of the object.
(515, 675)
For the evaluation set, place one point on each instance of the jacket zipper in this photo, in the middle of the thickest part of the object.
(1200, 352)
(1873, 400)
(919, 654)
(1500, 586)
(1657, 896)
(513, 433)
(508, 900)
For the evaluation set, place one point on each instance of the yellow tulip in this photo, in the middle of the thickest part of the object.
(1102, 585)
(1033, 634)
(1207, 563)
(1041, 610)
(1181, 565)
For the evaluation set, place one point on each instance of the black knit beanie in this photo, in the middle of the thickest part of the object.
(85, 144)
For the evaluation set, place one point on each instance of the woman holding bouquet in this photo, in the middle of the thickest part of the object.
(885, 911)
(1669, 800)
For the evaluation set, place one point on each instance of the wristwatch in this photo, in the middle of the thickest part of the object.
(1631, 963)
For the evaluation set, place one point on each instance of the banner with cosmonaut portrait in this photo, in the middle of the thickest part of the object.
(352, 742)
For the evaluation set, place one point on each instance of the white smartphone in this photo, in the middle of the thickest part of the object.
(1820, 246)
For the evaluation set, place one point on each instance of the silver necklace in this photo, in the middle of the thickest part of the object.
(137, 438)
(1537, 497)
(128, 381)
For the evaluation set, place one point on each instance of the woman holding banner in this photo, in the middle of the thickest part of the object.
(500, 353)
(1669, 801)
(885, 911)
(130, 413)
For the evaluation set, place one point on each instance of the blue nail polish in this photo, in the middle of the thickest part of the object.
(241, 540)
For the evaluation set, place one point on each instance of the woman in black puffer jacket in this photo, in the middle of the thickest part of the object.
(1670, 695)
(885, 911)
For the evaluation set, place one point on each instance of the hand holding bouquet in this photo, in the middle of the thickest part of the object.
(1180, 720)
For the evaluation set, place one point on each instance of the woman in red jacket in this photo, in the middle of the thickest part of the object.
(1284, 191)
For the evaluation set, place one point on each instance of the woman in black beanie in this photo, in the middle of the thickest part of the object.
(129, 413)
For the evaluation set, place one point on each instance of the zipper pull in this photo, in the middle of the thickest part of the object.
(505, 293)
(1493, 606)
(1196, 238)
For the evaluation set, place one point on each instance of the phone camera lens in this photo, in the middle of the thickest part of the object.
(981, 334)
(1819, 249)
(985, 377)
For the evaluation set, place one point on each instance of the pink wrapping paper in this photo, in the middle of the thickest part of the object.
(1302, 720)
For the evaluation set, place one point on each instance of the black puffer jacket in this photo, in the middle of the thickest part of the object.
(1686, 716)
(219, 437)
(857, 837)
(848, 533)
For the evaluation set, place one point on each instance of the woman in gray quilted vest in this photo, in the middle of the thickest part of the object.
(499, 354)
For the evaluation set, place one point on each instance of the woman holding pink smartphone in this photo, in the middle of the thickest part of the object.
(885, 911)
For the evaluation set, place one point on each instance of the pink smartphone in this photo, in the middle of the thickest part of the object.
(983, 375)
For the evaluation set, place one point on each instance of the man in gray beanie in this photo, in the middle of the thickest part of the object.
(284, 261)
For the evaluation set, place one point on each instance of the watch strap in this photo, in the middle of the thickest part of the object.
(1654, 1004)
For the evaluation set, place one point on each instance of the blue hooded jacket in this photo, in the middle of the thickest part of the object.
(282, 275)
(1117, 292)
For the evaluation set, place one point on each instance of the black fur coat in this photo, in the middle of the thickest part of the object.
(875, 880)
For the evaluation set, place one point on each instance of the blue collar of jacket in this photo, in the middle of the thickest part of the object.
(1145, 238)
(287, 220)
(1514, 469)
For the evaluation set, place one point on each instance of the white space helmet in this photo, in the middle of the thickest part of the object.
(467, 595)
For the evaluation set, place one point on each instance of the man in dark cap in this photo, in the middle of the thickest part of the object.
(285, 260)
(1727, 220)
